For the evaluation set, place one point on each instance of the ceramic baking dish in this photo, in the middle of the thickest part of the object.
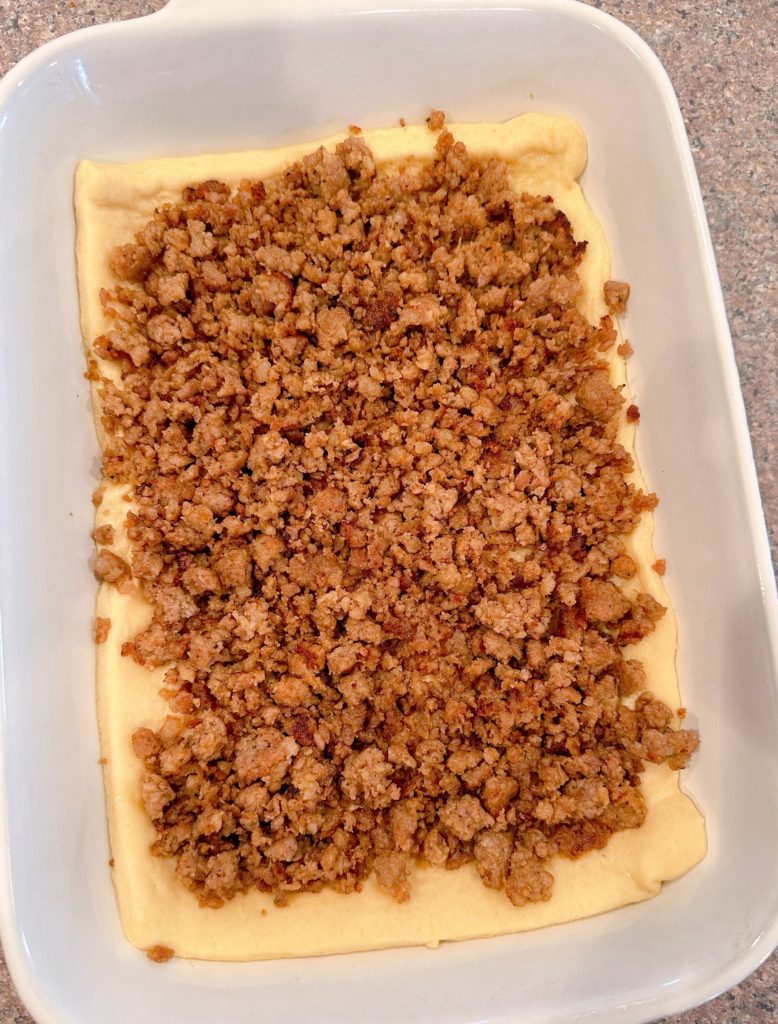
(203, 76)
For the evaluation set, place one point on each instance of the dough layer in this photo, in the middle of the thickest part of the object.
(546, 155)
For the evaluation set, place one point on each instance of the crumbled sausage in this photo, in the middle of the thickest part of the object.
(603, 601)
(160, 954)
(632, 677)
(498, 792)
(616, 295)
(596, 395)
(147, 565)
(391, 870)
(264, 754)
(528, 881)
(145, 743)
(156, 794)
(378, 510)
(101, 629)
(492, 853)
(464, 817)
(110, 568)
(172, 288)
(131, 262)
(233, 568)
(103, 534)
(623, 566)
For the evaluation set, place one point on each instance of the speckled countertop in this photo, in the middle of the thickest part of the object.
(721, 57)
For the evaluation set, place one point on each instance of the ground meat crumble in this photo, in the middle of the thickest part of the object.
(102, 628)
(616, 295)
(160, 954)
(379, 513)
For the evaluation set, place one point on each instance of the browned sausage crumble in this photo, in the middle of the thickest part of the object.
(379, 510)
(616, 295)
(101, 629)
(436, 120)
(160, 954)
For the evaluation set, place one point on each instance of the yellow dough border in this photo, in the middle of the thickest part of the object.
(113, 201)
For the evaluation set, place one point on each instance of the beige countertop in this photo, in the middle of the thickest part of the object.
(720, 55)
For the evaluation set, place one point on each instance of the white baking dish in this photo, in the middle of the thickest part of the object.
(204, 75)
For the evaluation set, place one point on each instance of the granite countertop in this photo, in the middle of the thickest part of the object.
(721, 59)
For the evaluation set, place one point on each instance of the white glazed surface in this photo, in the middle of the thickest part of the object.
(204, 76)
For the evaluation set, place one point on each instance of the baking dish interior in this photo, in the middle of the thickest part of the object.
(172, 84)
